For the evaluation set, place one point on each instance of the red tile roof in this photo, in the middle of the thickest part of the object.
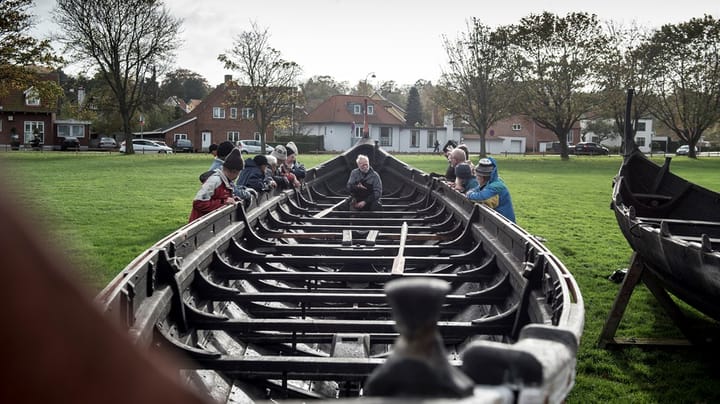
(338, 109)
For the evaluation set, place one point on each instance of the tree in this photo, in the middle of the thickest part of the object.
(685, 77)
(185, 84)
(601, 128)
(271, 80)
(553, 61)
(317, 89)
(126, 41)
(474, 87)
(21, 55)
(623, 66)
(413, 111)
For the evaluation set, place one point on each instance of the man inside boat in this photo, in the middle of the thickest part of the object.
(365, 186)
(491, 190)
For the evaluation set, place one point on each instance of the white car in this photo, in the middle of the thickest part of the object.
(253, 147)
(684, 150)
(143, 146)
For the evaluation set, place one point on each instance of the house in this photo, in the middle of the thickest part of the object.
(177, 102)
(645, 137)
(25, 115)
(341, 120)
(213, 120)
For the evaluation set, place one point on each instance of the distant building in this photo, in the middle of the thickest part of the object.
(341, 119)
(24, 114)
(213, 120)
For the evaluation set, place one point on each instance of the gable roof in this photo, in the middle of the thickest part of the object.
(14, 101)
(338, 109)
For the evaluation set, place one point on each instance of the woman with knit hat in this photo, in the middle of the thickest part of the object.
(291, 162)
(281, 154)
(217, 190)
(491, 190)
(464, 178)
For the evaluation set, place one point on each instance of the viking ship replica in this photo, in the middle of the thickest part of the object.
(294, 297)
(673, 227)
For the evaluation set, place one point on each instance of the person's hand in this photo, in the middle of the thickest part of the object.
(361, 186)
(359, 205)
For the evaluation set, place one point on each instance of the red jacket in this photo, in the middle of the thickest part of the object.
(212, 195)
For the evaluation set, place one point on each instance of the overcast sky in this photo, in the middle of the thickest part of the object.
(398, 40)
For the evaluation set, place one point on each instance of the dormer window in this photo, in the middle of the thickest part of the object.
(32, 98)
(357, 109)
(371, 109)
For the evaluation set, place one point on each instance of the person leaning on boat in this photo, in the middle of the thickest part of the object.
(253, 176)
(291, 163)
(491, 190)
(217, 190)
(220, 152)
(456, 156)
(464, 178)
(365, 186)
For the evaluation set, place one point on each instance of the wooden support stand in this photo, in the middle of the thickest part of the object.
(636, 273)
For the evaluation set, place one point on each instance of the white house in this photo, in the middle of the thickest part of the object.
(341, 120)
(644, 136)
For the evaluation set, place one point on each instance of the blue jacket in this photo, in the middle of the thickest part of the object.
(494, 194)
(252, 177)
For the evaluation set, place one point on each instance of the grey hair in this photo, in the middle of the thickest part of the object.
(361, 157)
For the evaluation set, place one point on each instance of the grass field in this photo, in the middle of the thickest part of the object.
(102, 210)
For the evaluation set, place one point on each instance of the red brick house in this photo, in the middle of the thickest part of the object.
(23, 115)
(214, 120)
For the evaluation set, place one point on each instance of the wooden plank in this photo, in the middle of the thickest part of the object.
(347, 237)
(622, 299)
(370, 239)
(398, 266)
(325, 211)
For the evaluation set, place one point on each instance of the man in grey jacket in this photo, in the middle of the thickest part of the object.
(365, 186)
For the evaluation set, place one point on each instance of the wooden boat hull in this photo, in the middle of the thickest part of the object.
(288, 298)
(674, 226)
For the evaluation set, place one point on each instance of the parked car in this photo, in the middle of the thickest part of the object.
(70, 143)
(107, 143)
(253, 147)
(591, 149)
(183, 145)
(684, 150)
(147, 146)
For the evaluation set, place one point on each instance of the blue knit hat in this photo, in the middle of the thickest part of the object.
(463, 171)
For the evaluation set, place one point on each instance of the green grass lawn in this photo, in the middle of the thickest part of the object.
(102, 210)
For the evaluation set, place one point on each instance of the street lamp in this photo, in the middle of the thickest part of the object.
(371, 74)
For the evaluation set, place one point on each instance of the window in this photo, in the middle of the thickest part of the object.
(233, 136)
(233, 113)
(385, 136)
(256, 136)
(357, 130)
(516, 127)
(180, 136)
(414, 138)
(640, 141)
(65, 130)
(32, 97)
(34, 126)
(640, 127)
(247, 113)
(432, 136)
(218, 113)
(371, 109)
(357, 109)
